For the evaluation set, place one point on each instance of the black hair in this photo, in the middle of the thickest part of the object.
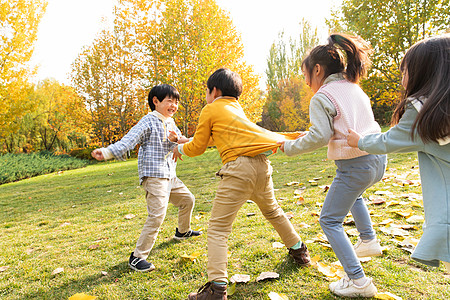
(161, 91)
(427, 67)
(331, 58)
(227, 81)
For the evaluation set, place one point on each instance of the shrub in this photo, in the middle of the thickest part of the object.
(83, 153)
(14, 167)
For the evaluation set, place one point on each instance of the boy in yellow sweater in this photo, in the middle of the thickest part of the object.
(246, 174)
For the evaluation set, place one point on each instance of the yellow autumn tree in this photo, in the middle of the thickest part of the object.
(198, 37)
(178, 42)
(19, 24)
(59, 120)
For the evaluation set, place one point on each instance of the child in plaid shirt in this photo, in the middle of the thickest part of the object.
(157, 172)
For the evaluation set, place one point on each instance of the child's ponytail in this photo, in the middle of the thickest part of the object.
(357, 51)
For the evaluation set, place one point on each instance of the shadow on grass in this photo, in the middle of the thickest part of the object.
(82, 285)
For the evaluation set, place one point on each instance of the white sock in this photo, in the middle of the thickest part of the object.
(360, 281)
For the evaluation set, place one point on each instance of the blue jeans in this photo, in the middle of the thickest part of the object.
(353, 177)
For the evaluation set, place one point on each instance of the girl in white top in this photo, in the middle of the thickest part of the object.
(338, 105)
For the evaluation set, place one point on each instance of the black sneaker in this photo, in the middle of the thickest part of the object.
(139, 264)
(182, 236)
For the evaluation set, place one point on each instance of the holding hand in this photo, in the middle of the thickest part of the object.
(281, 145)
(353, 138)
(183, 140)
(173, 136)
(97, 154)
(176, 154)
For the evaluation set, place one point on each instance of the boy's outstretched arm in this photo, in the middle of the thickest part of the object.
(353, 138)
(97, 154)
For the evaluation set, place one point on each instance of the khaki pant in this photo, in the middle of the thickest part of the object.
(159, 192)
(243, 179)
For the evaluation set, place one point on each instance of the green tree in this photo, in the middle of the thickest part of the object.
(391, 27)
(288, 95)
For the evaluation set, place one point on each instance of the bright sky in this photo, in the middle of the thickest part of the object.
(68, 25)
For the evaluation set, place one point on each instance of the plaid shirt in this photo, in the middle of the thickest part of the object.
(155, 158)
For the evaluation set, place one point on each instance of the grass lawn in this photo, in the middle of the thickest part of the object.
(76, 220)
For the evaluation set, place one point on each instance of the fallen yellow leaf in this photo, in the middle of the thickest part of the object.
(191, 257)
(231, 289)
(81, 296)
(387, 296)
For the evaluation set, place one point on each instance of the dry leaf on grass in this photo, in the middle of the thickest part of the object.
(4, 268)
(404, 213)
(324, 188)
(352, 232)
(278, 245)
(377, 200)
(276, 296)
(394, 231)
(240, 278)
(104, 273)
(415, 219)
(303, 225)
(386, 222)
(129, 216)
(57, 271)
(299, 191)
(300, 200)
(387, 193)
(334, 272)
(267, 275)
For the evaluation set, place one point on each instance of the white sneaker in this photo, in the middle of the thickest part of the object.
(369, 248)
(345, 287)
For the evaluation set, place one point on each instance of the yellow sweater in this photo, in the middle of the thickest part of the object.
(232, 132)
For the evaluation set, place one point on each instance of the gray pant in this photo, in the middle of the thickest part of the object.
(353, 177)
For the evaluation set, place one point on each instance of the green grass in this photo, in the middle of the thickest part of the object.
(75, 220)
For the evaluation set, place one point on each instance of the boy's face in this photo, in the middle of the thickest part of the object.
(168, 107)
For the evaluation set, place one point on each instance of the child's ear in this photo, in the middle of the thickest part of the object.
(216, 93)
(155, 100)
(317, 69)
